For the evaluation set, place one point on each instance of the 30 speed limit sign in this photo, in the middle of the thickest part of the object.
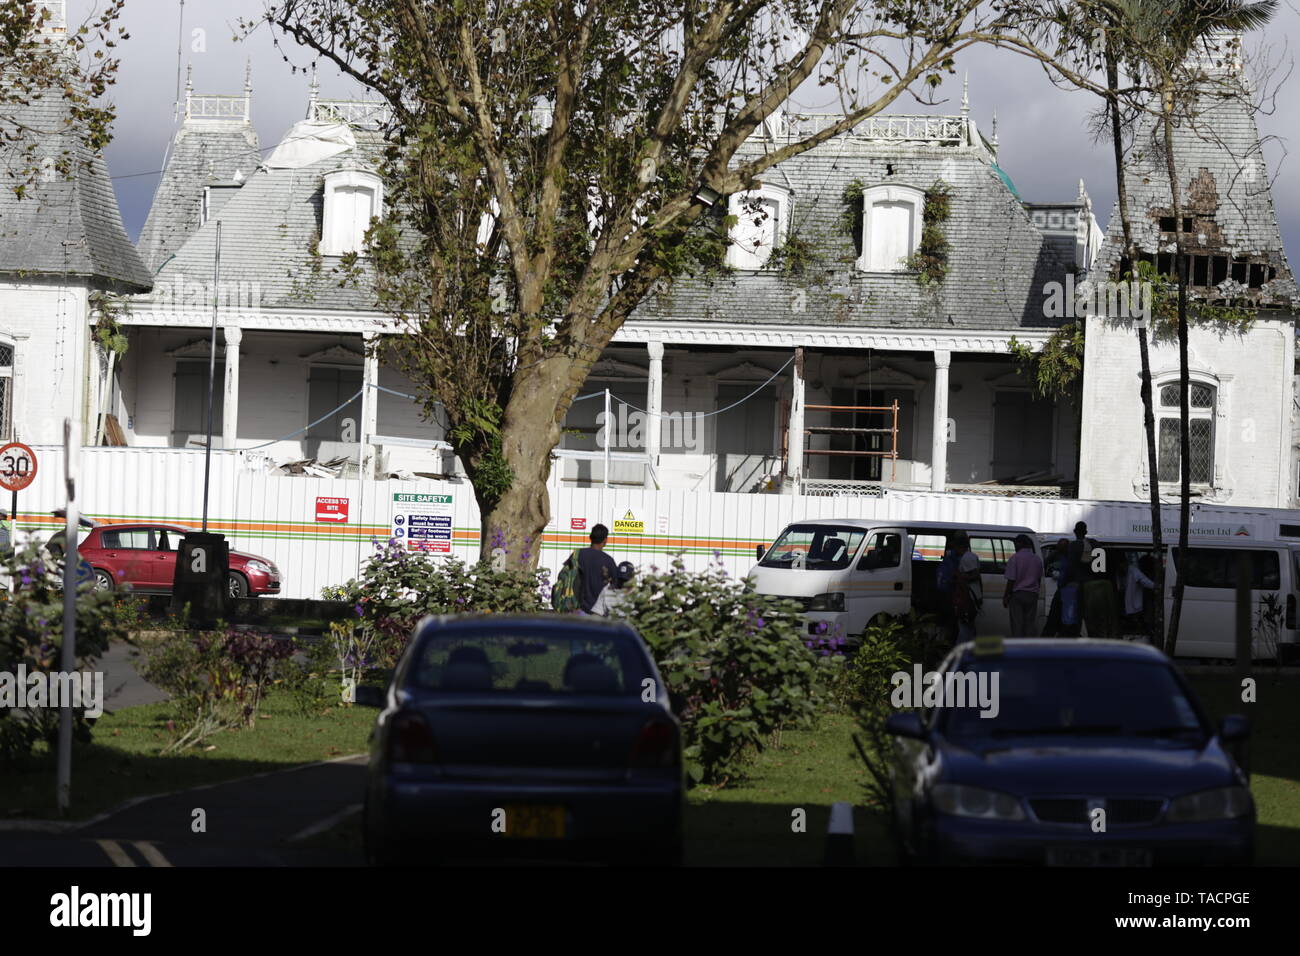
(17, 466)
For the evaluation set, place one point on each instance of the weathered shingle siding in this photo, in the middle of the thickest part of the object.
(1224, 142)
(67, 225)
(200, 155)
(998, 261)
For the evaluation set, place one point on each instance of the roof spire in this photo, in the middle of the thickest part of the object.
(965, 95)
(189, 87)
(315, 93)
(248, 88)
(995, 128)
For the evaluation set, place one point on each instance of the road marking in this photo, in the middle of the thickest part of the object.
(151, 853)
(327, 824)
(115, 853)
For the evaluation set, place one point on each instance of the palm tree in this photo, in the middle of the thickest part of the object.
(1162, 36)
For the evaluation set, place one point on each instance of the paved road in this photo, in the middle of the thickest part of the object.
(257, 821)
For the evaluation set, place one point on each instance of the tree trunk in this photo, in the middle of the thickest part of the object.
(1148, 411)
(1184, 425)
(516, 519)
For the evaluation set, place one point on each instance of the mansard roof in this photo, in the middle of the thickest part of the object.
(63, 225)
(999, 263)
(216, 141)
(1224, 188)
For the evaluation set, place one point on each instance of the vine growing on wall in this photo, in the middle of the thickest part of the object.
(1053, 372)
(930, 260)
(108, 329)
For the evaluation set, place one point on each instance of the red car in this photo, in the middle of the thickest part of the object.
(144, 557)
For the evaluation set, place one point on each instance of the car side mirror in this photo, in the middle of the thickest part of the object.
(759, 551)
(1234, 727)
(369, 696)
(906, 725)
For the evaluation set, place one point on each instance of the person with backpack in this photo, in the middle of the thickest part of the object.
(584, 575)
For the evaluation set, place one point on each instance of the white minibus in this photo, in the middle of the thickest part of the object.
(848, 573)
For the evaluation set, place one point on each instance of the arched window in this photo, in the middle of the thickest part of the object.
(352, 198)
(1203, 399)
(762, 222)
(6, 389)
(891, 227)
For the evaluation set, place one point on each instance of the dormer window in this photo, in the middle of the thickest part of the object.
(762, 222)
(891, 227)
(352, 199)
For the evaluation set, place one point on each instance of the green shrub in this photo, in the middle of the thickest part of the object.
(31, 635)
(735, 662)
(216, 680)
(887, 647)
(399, 587)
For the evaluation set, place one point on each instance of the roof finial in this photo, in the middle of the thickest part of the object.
(315, 93)
(995, 128)
(248, 88)
(189, 87)
(965, 95)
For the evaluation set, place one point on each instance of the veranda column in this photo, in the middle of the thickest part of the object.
(654, 405)
(939, 434)
(230, 401)
(794, 433)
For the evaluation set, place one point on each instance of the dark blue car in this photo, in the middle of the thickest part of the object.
(1080, 726)
(509, 737)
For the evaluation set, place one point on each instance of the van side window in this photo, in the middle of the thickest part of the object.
(994, 553)
(1217, 568)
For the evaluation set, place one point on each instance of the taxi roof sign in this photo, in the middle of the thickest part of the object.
(987, 646)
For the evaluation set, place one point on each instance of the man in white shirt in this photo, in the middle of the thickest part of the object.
(1135, 580)
(611, 595)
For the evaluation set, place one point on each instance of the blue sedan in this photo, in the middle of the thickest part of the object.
(508, 737)
(1093, 753)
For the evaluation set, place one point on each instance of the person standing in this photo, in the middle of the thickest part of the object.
(1024, 574)
(968, 592)
(1136, 579)
(1053, 627)
(596, 569)
(1072, 566)
(1100, 606)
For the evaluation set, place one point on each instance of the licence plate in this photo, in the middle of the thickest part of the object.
(535, 821)
(1097, 856)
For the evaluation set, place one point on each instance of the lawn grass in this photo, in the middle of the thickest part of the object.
(1273, 758)
(749, 823)
(123, 760)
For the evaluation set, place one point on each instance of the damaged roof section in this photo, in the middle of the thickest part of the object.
(1230, 228)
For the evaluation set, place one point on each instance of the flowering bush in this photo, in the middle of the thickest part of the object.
(31, 635)
(398, 587)
(734, 660)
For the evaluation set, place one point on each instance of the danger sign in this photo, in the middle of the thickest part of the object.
(577, 524)
(628, 524)
(332, 509)
(17, 466)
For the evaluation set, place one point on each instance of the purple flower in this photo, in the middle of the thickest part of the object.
(357, 608)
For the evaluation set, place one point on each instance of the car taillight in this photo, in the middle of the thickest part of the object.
(1290, 612)
(656, 746)
(410, 740)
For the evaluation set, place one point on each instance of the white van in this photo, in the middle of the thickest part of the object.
(1207, 627)
(850, 572)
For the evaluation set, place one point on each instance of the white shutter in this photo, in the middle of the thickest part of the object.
(891, 238)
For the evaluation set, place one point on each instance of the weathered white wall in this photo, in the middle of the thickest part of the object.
(1253, 424)
(49, 324)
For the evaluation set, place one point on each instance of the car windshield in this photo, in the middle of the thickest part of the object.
(814, 547)
(1067, 696)
(530, 662)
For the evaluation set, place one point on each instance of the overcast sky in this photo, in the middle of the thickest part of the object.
(1045, 146)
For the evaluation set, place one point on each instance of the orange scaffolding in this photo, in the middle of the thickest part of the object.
(892, 431)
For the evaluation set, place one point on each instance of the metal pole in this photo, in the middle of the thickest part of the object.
(608, 425)
(212, 373)
(68, 658)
